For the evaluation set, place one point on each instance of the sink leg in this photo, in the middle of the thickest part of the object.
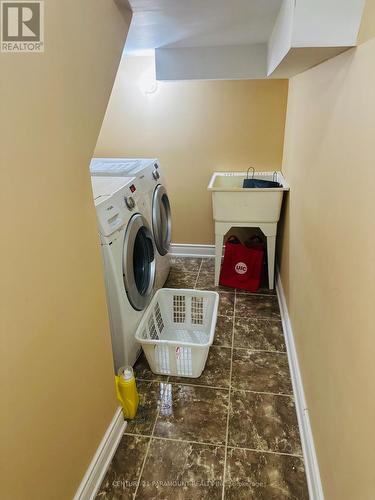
(271, 243)
(219, 238)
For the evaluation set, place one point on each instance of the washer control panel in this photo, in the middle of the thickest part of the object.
(116, 198)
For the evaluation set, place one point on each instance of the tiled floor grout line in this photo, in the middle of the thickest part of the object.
(182, 272)
(222, 346)
(260, 318)
(199, 270)
(149, 442)
(233, 389)
(252, 294)
(232, 290)
(229, 393)
(258, 350)
(266, 451)
(247, 349)
(199, 385)
(137, 434)
(140, 379)
(203, 443)
(214, 445)
(143, 466)
(219, 388)
(254, 316)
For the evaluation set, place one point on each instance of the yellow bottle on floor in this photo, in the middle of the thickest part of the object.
(126, 391)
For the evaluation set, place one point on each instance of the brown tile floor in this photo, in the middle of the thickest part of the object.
(232, 433)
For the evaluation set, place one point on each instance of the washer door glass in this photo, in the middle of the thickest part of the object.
(138, 262)
(161, 220)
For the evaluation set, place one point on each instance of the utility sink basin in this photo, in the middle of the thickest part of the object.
(235, 206)
(233, 203)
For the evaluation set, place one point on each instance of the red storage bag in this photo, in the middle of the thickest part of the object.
(242, 266)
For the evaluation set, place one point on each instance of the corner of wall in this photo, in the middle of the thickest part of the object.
(367, 28)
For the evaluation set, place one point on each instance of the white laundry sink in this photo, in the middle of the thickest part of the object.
(232, 202)
(235, 206)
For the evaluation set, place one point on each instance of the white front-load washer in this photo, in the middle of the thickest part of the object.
(128, 252)
(152, 183)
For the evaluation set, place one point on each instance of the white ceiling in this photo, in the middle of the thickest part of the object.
(194, 23)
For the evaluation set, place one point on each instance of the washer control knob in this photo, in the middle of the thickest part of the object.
(129, 202)
(155, 175)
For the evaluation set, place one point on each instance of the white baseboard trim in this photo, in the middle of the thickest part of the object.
(192, 250)
(311, 463)
(95, 473)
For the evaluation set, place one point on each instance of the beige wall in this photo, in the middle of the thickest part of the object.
(328, 264)
(194, 128)
(367, 29)
(57, 397)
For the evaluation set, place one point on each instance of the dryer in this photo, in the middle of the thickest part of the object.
(152, 183)
(128, 252)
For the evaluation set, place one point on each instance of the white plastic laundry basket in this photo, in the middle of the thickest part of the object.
(177, 330)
